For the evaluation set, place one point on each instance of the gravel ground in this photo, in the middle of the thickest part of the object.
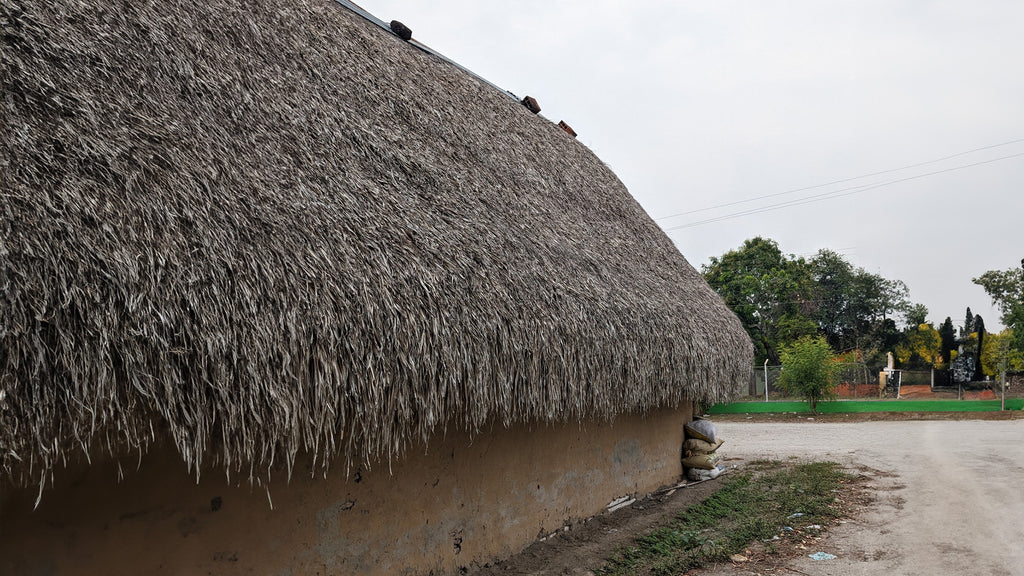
(948, 495)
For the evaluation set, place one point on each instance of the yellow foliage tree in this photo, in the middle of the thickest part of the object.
(997, 347)
(924, 343)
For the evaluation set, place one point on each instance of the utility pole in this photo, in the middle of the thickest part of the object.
(1004, 354)
(1002, 385)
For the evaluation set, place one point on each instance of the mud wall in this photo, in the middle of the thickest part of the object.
(456, 502)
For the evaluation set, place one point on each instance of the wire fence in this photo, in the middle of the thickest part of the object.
(857, 380)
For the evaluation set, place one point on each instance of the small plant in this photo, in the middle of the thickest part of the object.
(809, 370)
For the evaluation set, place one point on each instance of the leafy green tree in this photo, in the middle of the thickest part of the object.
(809, 370)
(1006, 288)
(892, 297)
(1015, 321)
(766, 290)
(833, 279)
(872, 299)
(885, 337)
(782, 298)
(916, 315)
(851, 302)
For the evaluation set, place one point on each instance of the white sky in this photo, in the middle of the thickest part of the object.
(694, 105)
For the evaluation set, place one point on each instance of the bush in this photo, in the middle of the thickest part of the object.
(809, 370)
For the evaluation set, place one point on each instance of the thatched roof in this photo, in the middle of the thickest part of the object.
(270, 227)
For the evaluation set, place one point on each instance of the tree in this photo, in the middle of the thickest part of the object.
(968, 328)
(979, 328)
(872, 299)
(921, 346)
(1015, 322)
(809, 370)
(766, 290)
(833, 277)
(852, 302)
(916, 315)
(892, 297)
(780, 299)
(947, 333)
(1006, 288)
(997, 348)
(886, 337)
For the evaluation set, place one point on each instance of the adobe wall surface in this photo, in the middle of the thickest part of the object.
(458, 501)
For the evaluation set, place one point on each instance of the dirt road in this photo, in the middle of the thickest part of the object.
(949, 494)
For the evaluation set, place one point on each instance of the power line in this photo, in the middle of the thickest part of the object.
(844, 180)
(838, 250)
(833, 194)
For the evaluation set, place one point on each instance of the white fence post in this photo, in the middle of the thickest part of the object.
(765, 379)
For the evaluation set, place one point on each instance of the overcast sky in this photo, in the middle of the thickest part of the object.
(696, 105)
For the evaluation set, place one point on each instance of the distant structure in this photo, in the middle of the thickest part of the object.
(962, 368)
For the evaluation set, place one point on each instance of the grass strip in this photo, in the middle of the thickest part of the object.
(747, 508)
(841, 406)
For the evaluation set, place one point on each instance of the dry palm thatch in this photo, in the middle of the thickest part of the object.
(264, 227)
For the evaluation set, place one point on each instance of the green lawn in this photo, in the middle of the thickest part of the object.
(840, 406)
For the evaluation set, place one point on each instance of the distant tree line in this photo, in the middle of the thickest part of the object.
(781, 298)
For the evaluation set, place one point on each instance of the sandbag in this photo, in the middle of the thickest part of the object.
(701, 430)
(699, 474)
(697, 446)
(703, 461)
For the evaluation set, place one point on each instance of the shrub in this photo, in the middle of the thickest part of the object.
(809, 370)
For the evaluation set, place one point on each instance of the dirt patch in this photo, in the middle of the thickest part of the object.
(585, 545)
(933, 485)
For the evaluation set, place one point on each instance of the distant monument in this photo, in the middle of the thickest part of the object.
(962, 368)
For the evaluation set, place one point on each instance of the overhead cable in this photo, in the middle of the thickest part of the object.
(833, 194)
(843, 181)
